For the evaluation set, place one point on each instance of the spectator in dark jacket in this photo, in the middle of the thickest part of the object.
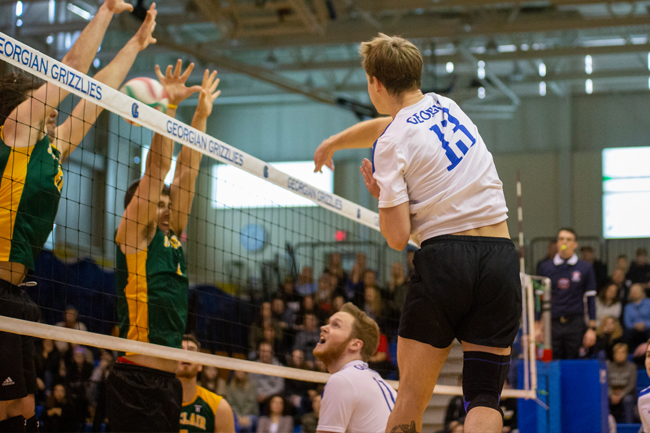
(637, 317)
(60, 413)
(640, 269)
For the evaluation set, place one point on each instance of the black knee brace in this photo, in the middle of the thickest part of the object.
(32, 425)
(483, 377)
(13, 424)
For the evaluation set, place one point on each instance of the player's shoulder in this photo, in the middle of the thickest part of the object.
(209, 397)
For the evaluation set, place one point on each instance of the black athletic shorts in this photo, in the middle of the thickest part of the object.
(142, 399)
(464, 287)
(17, 370)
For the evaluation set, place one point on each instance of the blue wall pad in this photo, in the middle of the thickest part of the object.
(584, 396)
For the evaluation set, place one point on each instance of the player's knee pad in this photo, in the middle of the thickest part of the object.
(483, 377)
(14, 424)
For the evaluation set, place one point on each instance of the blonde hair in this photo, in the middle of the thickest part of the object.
(616, 333)
(394, 61)
(364, 328)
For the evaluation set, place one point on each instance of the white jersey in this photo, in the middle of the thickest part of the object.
(644, 409)
(433, 157)
(356, 400)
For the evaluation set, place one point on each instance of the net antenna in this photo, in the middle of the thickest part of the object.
(48, 69)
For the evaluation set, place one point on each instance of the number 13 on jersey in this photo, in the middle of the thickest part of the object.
(462, 146)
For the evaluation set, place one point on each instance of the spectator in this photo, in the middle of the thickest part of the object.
(47, 360)
(242, 396)
(618, 278)
(275, 420)
(97, 392)
(70, 321)
(623, 263)
(280, 314)
(372, 303)
(78, 382)
(608, 303)
(640, 269)
(308, 338)
(211, 381)
(637, 317)
(622, 385)
(297, 390)
(354, 291)
(335, 268)
(264, 318)
(306, 307)
(324, 294)
(337, 304)
(600, 269)
(59, 414)
(380, 361)
(267, 385)
(306, 284)
(608, 334)
(289, 295)
(551, 251)
(278, 345)
(310, 420)
(572, 280)
(397, 288)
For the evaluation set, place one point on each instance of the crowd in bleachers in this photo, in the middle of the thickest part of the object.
(284, 331)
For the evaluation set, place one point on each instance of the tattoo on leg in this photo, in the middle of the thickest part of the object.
(404, 428)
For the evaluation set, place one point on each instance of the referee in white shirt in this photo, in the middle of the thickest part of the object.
(355, 399)
(436, 182)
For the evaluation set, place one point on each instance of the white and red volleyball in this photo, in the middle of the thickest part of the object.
(148, 91)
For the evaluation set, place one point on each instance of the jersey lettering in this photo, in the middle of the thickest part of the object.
(194, 420)
(462, 147)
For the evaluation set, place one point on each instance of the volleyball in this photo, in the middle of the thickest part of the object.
(148, 91)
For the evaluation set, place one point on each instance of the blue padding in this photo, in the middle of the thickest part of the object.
(584, 396)
(628, 428)
(642, 380)
(39, 410)
(392, 351)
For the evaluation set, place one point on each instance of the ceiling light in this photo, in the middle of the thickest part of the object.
(96, 63)
(19, 8)
(78, 11)
(450, 67)
(19, 23)
(542, 88)
(588, 64)
(542, 69)
(49, 40)
(51, 11)
(481, 69)
(589, 87)
(481, 93)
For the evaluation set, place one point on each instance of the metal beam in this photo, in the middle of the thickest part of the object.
(250, 70)
(492, 76)
(307, 17)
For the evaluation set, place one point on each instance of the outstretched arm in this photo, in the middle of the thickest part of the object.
(141, 213)
(189, 160)
(35, 111)
(74, 129)
(359, 136)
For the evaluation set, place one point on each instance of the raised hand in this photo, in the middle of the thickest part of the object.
(369, 178)
(174, 82)
(208, 94)
(117, 6)
(144, 35)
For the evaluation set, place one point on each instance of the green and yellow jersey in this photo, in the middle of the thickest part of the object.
(152, 290)
(198, 415)
(30, 192)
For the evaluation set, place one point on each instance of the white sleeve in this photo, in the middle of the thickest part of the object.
(337, 405)
(389, 165)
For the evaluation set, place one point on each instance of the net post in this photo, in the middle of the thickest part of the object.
(531, 338)
(546, 317)
(525, 280)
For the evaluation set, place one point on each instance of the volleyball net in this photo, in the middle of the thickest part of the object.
(269, 256)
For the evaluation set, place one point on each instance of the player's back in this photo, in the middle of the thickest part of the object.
(356, 400)
(449, 173)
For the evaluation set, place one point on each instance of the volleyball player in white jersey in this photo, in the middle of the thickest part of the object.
(355, 399)
(436, 182)
(644, 396)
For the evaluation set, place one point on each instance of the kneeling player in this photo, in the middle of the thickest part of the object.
(356, 399)
(202, 411)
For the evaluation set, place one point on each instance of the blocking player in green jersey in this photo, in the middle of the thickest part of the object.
(32, 149)
(203, 411)
(143, 393)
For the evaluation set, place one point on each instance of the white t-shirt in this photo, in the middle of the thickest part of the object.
(356, 400)
(644, 409)
(433, 157)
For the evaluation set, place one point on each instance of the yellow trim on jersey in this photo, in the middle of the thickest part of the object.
(209, 397)
(137, 298)
(11, 191)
